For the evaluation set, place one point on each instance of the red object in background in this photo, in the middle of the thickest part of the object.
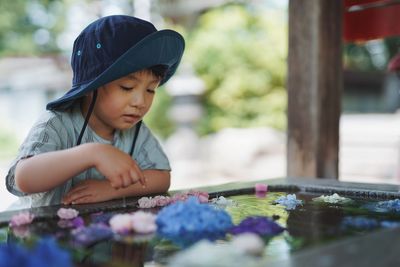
(394, 64)
(370, 19)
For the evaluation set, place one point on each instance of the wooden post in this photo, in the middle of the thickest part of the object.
(314, 88)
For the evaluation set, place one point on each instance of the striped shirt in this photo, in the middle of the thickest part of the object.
(56, 130)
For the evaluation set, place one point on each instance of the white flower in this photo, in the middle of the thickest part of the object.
(121, 223)
(143, 222)
(249, 243)
(147, 202)
(334, 199)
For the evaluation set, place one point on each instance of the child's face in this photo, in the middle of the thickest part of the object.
(122, 103)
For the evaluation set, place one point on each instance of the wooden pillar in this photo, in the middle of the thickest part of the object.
(314, 88)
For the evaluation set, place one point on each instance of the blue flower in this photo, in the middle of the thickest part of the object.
(290, 201)
(185, 223)
(46, 253)
(258, 225)
(389, 205)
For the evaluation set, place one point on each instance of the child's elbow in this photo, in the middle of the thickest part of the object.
(21, 183)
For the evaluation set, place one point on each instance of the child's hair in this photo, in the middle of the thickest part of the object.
(159, 71)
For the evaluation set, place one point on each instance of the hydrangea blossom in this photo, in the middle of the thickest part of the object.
(222, 202)
(205, 253)
(67, 214)
(46, 253)
(333, 199)
(140, 222)
(121, 223)
(161, 201)
(259, 225)
(290, 201)
(86, 236)
(21, 218)
(389, 205)
(184, 223)
(250, 243)
(143, 222)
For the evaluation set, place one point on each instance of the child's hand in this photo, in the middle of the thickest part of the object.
(117, 166)
(90, 191)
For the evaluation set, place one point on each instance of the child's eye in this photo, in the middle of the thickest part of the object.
(151, 91)
(126, 88)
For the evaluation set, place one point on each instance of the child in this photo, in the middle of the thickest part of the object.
(91, 146)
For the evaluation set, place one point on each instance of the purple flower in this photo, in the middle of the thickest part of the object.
(67, 214)
(258, 225)
(184, 223)
(87, 236)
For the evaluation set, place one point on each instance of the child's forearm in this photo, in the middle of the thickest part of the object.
(45, 171)
(157, 182)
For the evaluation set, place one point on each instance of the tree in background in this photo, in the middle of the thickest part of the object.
(30, 27)
(241, 53)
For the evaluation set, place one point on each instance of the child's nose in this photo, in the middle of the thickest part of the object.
(138, 100)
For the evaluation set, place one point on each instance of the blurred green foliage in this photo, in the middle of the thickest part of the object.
(240, 53)
(30, 27)
(8, 144)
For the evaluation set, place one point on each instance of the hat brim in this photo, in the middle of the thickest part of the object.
(164, 47)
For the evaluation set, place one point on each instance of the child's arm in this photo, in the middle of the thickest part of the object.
(45, 171)
(90, 191)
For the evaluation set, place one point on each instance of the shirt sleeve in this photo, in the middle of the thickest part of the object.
(150, 155)
(43, 137)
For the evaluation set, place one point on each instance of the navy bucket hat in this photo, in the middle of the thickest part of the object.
(115, 46)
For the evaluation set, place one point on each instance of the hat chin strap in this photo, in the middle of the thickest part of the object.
(89, 113)
(87, 117)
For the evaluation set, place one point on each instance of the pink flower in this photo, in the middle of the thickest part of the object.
(162, 201)
(21, 231)
(67, 214)
(144, 222)
(179, 197)
(121, 223)
(202, 196)
(147, 202)
(261, 187)
(21, 218)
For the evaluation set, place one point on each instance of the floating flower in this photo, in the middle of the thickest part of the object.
(46, 253)
(147, 202)
(222, 202)
(205, 254)
(250, 243)
(333, 199)
(87, 236)
(67, 214)
(184, 223)
(259, 225)
(121, 223)
(389, 205)
(290, 201)
(143, 222)
(162, 201)
(21, 218)
(202, 196)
